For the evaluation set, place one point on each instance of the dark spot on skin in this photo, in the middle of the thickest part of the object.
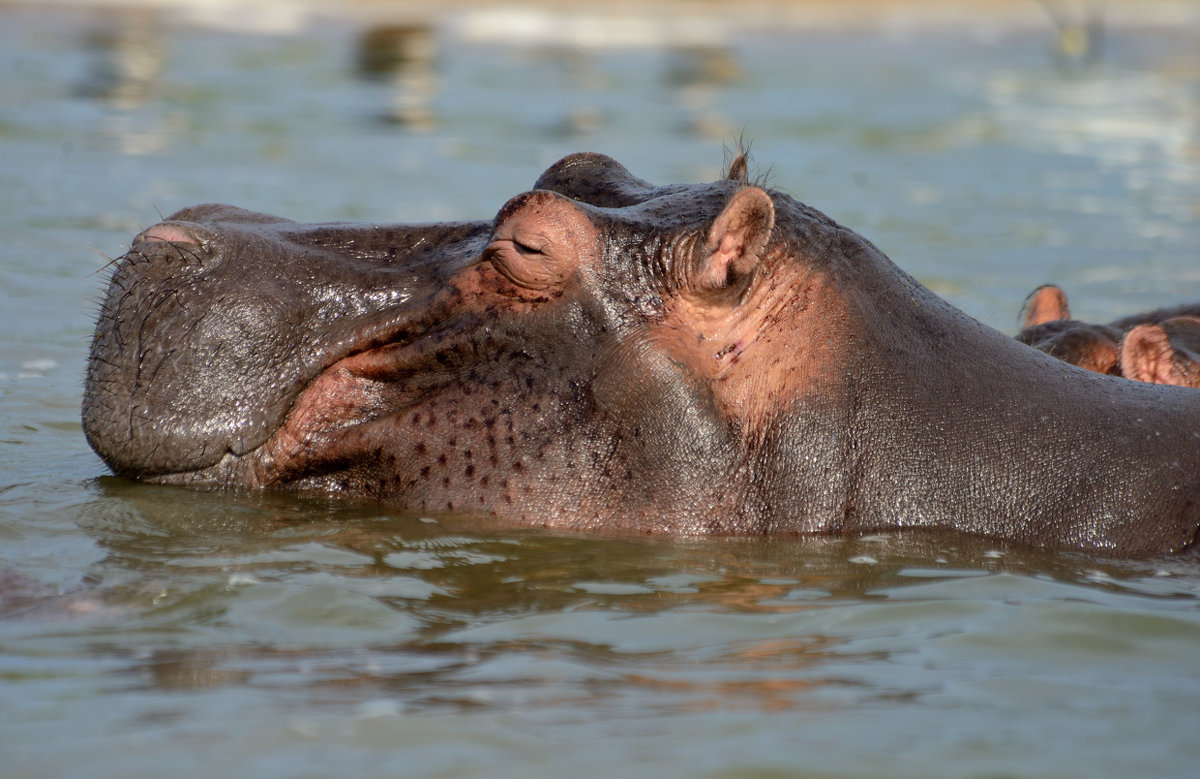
(467, 455)
(453, 441)
(469, 471)
(483, 482)
(441, 459)
(419, 448)
(425, 472)
(446, 481)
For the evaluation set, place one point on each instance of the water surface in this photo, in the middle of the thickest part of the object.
(147, 630)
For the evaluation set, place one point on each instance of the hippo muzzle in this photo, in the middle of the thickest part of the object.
(217, 318)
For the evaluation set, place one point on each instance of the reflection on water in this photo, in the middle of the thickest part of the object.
(403, 57)
(697, 74)
(1080, 28)
(312, 617)
(140, 626)
(128, 58)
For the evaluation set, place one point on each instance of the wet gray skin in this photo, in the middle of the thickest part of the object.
(610, 355)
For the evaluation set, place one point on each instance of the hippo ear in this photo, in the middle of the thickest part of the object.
(1047, 303)
(1147, 355)
(736, 238)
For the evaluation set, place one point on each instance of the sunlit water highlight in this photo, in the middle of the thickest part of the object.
(147, 631)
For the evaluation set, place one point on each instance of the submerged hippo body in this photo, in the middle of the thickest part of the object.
(611, 355)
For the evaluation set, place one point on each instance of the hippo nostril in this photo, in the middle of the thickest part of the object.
(167, 233)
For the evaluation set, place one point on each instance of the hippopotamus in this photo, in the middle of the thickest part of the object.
(613, 356)
(1159, 346)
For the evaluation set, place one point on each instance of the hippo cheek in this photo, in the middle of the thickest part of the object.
(350, 416)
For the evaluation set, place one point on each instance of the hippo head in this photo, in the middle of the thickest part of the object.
(603, 354)
(1160, 346)
(1048, 327)
(601, 342)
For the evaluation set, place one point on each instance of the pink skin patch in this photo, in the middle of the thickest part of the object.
(167, 233)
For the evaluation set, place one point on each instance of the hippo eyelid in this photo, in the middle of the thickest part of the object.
(527, 248)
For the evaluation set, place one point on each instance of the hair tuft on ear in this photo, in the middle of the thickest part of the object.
(739, 169)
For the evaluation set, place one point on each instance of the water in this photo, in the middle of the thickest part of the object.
(147, 631)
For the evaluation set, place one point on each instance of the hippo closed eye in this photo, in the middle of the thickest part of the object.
(607, 354)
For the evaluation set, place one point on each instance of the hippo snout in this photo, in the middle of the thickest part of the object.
(217, 318)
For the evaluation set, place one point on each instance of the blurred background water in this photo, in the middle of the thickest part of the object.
(986, 147)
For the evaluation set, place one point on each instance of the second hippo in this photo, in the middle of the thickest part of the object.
(1160, 346)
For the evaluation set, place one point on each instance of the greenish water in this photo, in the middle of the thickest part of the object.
(147, 631)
